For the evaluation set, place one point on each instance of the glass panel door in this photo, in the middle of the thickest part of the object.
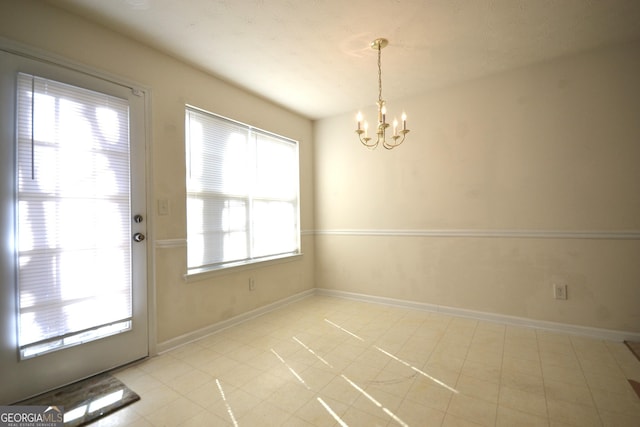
(76, 272)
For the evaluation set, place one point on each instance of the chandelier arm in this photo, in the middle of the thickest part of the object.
(395, 142)
(365, 142)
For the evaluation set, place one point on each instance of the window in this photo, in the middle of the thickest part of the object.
(73, 215)
(242, 193)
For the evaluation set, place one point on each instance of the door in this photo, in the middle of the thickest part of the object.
(73, 265)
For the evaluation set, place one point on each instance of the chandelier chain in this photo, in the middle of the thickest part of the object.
(379, 74)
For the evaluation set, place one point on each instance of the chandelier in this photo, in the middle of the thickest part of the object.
(381, 130)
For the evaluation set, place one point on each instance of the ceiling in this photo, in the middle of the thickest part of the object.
(313, 56)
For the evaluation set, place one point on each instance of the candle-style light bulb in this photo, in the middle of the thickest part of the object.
(404, 121)
(359, 119)
(384, 114)
(395, 127)
(366, 127)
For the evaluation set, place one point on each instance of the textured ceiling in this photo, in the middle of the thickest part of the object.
(313, 56)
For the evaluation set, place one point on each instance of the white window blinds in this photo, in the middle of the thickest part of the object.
(242, 193)
(74, 272)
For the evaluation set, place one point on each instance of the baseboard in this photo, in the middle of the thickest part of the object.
(165, 346)
(597, 333)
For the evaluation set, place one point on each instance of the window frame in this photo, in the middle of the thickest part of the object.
(208, 270)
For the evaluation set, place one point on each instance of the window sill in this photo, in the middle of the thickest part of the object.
(206, 273)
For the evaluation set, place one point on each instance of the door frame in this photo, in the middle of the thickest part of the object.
(31, 53)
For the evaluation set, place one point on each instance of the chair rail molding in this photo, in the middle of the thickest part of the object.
(489, 233)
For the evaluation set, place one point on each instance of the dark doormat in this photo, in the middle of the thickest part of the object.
(635, 385)
(634, 347)
(87, 400)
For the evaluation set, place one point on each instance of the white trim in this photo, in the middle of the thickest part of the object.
(497, 233)
(228, 323)
(597, 333)
(229, 269)
(152, 308)
(170, 243)
(182, 243)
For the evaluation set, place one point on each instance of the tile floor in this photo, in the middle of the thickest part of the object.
(332, 362)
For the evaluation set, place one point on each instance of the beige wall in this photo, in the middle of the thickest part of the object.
(543, 162)
(181, 307)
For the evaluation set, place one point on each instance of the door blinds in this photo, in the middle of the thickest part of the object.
(74, 268)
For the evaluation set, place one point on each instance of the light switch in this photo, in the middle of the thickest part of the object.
(163, 206)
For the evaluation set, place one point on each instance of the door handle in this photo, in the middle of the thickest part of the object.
(138, 237)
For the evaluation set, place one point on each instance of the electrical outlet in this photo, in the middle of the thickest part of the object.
(560, 291)
(252, 284)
